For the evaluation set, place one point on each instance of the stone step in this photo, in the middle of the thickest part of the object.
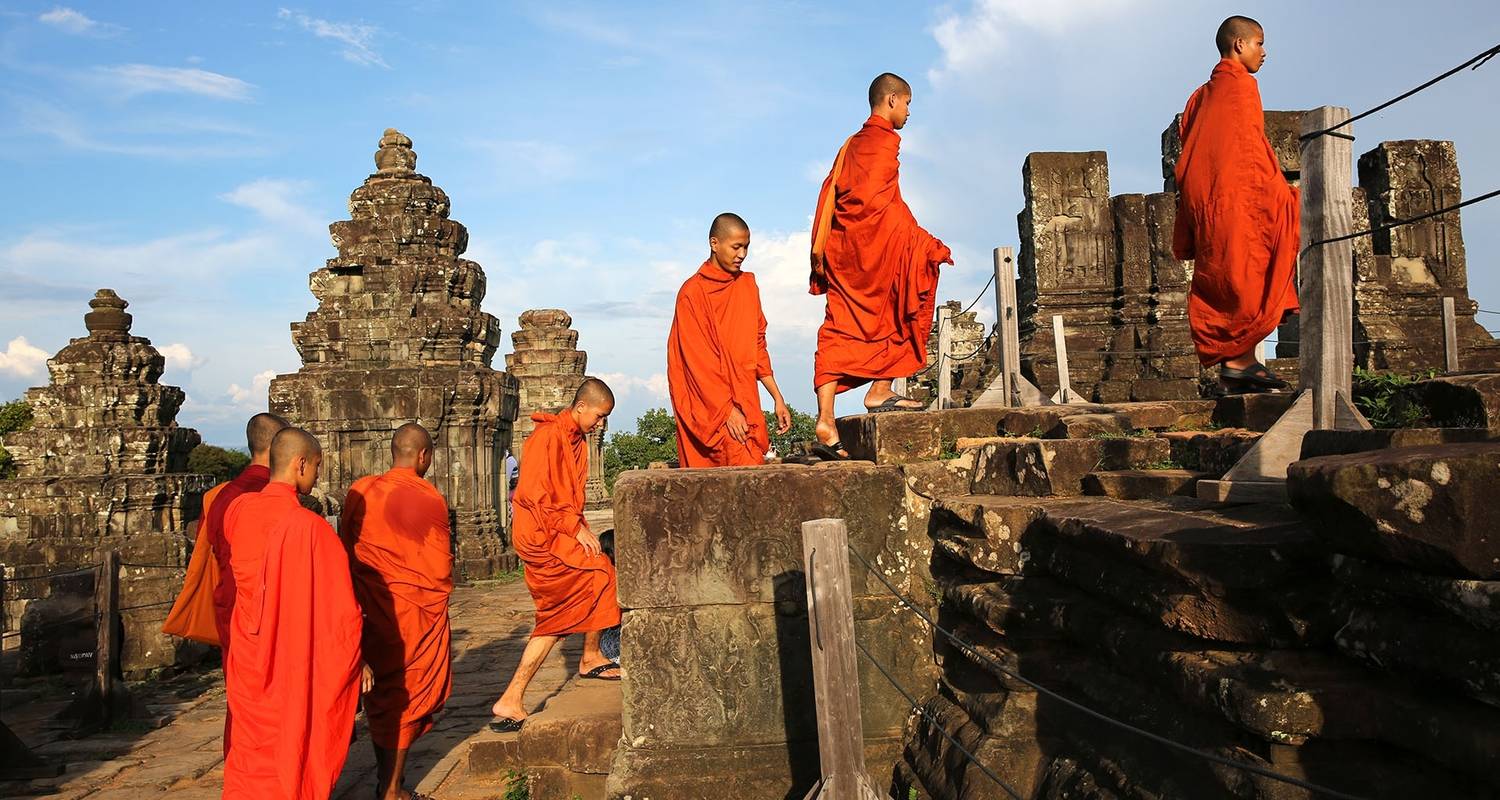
(1140, 484)
(1263, 580)
(1337, 443)
(563, 750)
(1212, 452)
(1057, 467)
(1462, 401)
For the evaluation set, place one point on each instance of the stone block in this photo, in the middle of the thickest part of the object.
(1213, 452)
(730, 772)
(1424, 507)
(1430, 649)
(1338, 443)
(1042, 467)
(1462, 401)
(1139, 484)
(1256, 412)
(1474, 603)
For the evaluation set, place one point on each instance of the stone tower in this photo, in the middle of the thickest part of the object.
(399, 336)
(102, 467)
(549, 366)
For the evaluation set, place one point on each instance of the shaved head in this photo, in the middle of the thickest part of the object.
(885, 85)
(1236, 27)
(409, 443)
(594, 393)
(291, 445)
(725, 224)
(259, 432)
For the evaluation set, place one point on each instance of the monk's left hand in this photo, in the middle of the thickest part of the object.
(783, 419)
(589, 542)
(366, 679)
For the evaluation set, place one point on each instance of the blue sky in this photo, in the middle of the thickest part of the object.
(190, 155)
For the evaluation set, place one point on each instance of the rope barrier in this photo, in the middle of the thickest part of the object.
(916, 708)
(1482, 311)
(45, 626)
(974, 653)
(123, 609)
(980, 296)
(49, 575)
(1399, 222)
(1477, 62)
(152, 566)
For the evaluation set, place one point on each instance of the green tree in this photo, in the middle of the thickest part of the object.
(14, 416)
(799, 438)
(654, 439)
(222, 463)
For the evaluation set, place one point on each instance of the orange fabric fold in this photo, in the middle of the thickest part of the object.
(396, 528)
(716, 353)
(574, 591)
(880, 267)
(292, 668)
(207, 595)
(1237, 218)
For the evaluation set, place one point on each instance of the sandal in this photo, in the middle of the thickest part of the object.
(893, 403)
(506, 725)
(830, 452)
(597, 673)
(1254, 378)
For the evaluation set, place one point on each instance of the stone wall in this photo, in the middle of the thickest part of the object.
(715, 647)
(399, 336)
(102, 467)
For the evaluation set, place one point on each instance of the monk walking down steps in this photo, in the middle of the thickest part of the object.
(716, 353)
(292, 672)
(1237, 217)
(877, 266)
(570, 579)
(396, 528)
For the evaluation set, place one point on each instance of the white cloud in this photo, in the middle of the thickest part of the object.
(22, 358)
(137, 79)
(255, 396)
(170, 137)
(973, 41)
(525, 161)
(76, 22)
(180, 356)
(654, 386)
(358, 39)
(275, 200)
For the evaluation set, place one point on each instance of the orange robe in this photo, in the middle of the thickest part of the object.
(574, 592)
(1237, 218)
(396, 528)
(201, 611)
(292, 669)
(716, 353)
(880, 268)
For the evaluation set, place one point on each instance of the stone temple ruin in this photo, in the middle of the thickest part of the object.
(103, 467)
(398, 336)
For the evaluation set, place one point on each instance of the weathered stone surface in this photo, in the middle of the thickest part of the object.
(1425, 646)
(986, 532)
(1040, 467)
(399, 336)
(1431, 508)
(908, 437)
(1338, 443)
(1213, 452)
(1256, 412)
(1138, 484)
(1463, 401)
(1475, 603)
(101, 468)
(693, 774)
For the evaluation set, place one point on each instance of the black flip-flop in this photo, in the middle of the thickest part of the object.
(893, 403)
(1254, 378)
(506, 725)
(830, 452)
(597, 673)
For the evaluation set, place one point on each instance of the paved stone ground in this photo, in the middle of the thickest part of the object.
(183, 757)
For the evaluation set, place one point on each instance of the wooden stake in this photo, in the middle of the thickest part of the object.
(1326, 271)
(830, 618)
(107, 652)
(1009, 389)
(944, 359)
(1450, 335)
(1065, 393)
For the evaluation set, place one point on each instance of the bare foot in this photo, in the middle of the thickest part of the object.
(873, 399)
(508, 709)
(827, 432)
(585, 667)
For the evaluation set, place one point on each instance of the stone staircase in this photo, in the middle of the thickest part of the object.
(563, 751)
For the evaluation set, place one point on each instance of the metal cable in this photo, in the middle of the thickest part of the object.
(153, 566)
(49, 575)
(980, 296)
(973, 652)
(123, 609)
(46, 626)
(921, 712)
(1480, 59)
(1399, 222)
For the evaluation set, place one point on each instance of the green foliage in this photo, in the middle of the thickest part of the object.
(799, 438)
(14, 416)
(223, 464)
(1167, 464)
(1388, 400)
(515, 786)
(654, 439)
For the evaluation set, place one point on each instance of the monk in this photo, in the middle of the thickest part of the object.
(293, 671)
(396, 528)
(202, 608)
(715, 354)
(877, 266)
(571, 580)
(1237, 217)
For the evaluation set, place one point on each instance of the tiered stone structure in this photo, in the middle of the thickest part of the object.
(399, 336)
(1105, 264)
(102, 467)
(549, 366)
(969, 361)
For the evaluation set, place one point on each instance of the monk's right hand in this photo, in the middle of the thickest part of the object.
(589, 541)
(738, 428)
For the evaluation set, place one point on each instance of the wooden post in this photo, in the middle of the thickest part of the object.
(1009, 388)
(944, 358)
(1065, 393)
(830, 619)
(107, 652)
(1450, 335)
(1325, 285)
